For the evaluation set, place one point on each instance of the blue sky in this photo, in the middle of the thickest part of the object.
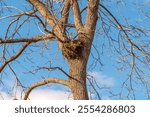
(47, 53)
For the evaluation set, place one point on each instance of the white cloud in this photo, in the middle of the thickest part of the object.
(103, 79)
(45, 94)
(40, 94)
(37, 94)
(51, 94)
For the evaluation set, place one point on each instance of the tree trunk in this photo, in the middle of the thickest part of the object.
(78, 71)
(77, 53)
(78, 80)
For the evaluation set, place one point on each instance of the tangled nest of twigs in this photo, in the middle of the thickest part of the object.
(72, 49)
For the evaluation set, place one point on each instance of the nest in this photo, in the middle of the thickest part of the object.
(72, 49)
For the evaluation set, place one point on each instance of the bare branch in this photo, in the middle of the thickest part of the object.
(43, 11)
(65, 12)
(14, 57)
(77, 14)
(60, 69)
(30, 40)
(91, 16)
(44, 82)
(18, 15)
(50, 19)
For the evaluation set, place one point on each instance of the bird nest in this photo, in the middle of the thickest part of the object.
(72, 49)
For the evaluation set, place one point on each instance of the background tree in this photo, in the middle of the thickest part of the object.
(73, 25)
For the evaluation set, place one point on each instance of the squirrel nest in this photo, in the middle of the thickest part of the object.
(72, 49)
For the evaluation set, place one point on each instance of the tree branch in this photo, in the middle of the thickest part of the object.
(30, 40)
(49, 18)
(92, 15)
(65, 12)
(43, 11)
(14, 57)
(44, 82)
(77, 14)
(132, 44)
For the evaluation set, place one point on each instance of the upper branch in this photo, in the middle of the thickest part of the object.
(50, 19)
(92, 16)
(132, 44)
(44, 82)
(65, 12)
(77, 14)
(44, 12)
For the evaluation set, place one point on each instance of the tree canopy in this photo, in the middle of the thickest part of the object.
(68, 41)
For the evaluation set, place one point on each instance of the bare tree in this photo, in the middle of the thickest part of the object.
(73, 24)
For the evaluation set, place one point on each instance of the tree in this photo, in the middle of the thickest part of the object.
(73, 25)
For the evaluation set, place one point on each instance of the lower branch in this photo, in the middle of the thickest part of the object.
(15, 56)
(44, 82)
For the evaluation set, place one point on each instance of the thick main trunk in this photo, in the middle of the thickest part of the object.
(79, 52)
(78, 80)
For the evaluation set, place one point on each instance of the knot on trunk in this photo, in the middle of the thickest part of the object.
(72, 49)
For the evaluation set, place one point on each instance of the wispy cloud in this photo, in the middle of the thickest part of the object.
(103, 79)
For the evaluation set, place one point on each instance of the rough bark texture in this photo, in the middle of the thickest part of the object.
(78, 80)
(78, 69)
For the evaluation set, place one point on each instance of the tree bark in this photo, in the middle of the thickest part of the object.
(78, 70)
(78, 80)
